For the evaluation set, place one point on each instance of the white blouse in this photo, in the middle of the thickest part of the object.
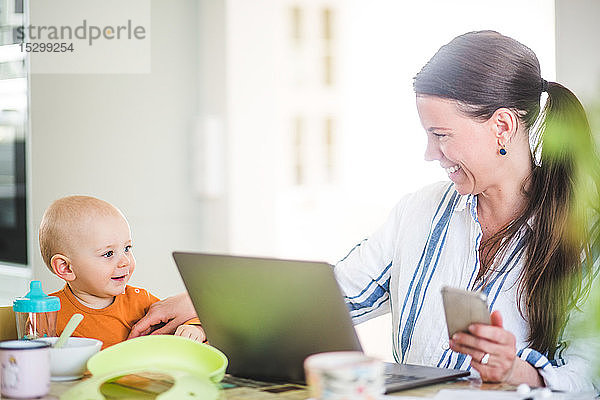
(431, 239)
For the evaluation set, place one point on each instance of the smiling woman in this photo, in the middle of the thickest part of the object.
(500, 92)
(508, 224)
(471, 150)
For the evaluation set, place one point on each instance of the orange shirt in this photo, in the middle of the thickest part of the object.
(111, 324)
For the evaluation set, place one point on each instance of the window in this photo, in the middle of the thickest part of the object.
(13, 133)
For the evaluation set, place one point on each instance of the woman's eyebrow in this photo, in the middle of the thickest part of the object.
(437, 128)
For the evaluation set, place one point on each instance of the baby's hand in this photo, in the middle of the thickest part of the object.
(194, 332)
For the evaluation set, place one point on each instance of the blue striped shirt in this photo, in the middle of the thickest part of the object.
(432, 239)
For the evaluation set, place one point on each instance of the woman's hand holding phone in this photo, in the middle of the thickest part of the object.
(491, 347)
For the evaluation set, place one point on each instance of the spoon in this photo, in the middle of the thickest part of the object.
(68, 331)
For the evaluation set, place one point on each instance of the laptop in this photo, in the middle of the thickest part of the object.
(267, 315)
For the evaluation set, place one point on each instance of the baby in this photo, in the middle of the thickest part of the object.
(87, 242)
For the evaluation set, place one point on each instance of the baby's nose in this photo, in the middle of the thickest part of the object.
(124, 260)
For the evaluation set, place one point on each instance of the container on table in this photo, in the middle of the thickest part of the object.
(35, 313)
(25, 366)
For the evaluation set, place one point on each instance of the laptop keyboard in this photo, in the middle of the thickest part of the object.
(399, 378)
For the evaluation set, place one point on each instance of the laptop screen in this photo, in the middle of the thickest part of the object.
(267, 315)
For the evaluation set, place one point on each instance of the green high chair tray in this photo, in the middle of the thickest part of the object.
(195, 367)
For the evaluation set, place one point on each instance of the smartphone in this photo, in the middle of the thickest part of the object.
(463, 308)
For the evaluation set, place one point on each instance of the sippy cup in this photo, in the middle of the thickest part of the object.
(36, 313)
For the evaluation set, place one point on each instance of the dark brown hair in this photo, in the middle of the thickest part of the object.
(484, 71)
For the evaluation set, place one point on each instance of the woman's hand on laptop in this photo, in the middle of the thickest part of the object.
(163, 317)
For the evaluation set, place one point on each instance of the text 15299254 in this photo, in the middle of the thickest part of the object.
(46, 47)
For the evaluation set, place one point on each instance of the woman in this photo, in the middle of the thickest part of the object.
(505, 224)
(509, 223)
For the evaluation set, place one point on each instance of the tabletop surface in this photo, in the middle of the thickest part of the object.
(148, 386)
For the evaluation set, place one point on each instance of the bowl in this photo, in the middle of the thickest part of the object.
(70, 361)
(162, 353)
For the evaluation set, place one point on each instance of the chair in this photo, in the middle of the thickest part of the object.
(8, 326)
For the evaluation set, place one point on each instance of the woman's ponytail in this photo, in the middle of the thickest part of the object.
(560, 193)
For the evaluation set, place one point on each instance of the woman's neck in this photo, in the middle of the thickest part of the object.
(499, 205)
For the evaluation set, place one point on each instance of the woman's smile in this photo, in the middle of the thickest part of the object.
(453, 170)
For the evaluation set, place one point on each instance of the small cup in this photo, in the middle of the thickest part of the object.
(25, 368)
(344, 375)
(36, 313)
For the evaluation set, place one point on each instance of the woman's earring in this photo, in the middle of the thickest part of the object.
(502, 150)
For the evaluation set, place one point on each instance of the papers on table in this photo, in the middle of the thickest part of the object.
(462, 394)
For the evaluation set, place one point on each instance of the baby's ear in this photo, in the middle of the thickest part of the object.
(61, 265)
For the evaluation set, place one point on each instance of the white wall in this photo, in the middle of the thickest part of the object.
(211, 89)
(577, 49)
(126, 139)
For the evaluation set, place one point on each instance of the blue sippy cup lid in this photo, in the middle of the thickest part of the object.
(36, 300)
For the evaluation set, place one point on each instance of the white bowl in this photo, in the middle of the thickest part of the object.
(70, 361)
